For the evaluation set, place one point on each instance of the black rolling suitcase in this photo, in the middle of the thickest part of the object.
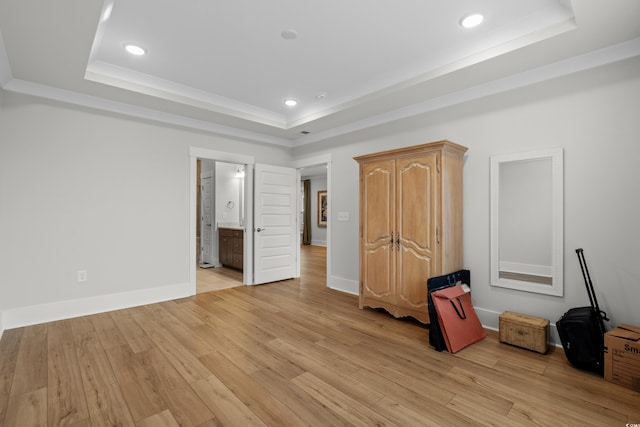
(436, 338)
(582, 329)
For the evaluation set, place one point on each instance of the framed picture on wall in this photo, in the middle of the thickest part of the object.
(323, 211)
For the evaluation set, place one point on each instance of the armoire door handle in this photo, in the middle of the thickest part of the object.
(392, 240)
(398, 242)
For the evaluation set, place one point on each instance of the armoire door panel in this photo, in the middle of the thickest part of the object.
(378, 263)
(415, 185)
(379, 202)
(379, 272)
(411, 284)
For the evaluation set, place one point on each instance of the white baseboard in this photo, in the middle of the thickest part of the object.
(318, 242)
(488, 318)
(35, 314)
(344, 285)
(1, 325)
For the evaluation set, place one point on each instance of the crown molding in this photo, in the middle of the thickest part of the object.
(600, 57)
(90, 101)
(597, 58)
(123, 78)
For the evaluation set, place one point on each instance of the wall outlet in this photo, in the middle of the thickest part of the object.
(82, 276)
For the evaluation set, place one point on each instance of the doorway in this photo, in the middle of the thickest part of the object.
(220, 208)
(313, 219)
(196, 153)
(314, 223)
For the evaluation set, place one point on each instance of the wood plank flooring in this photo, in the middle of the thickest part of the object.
(215, 279)
(290, 353)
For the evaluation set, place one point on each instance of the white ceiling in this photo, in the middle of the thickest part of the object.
(224, 67)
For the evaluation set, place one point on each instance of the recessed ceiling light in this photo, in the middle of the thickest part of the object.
(321, 96)
(107, 12)
(134, 49)
(290, 102)
(470, 21)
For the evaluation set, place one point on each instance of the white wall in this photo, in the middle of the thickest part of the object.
(80, 189)
(84, 190)
(593, 116)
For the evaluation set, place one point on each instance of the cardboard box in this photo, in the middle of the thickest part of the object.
(622, 356)
(524, 331)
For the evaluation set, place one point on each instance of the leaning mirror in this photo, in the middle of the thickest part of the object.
(527, 221)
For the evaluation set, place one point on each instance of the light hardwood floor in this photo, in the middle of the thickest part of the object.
(290, 353)
(216, 279)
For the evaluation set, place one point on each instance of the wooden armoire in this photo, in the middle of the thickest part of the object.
(410, 224)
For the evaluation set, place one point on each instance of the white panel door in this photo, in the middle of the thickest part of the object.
(275, 223)
(207, 211)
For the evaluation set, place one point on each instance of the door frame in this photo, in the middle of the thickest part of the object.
(196, 153)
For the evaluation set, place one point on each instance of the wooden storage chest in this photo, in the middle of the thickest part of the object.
(524, 331)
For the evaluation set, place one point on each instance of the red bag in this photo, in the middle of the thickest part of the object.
(459, 322)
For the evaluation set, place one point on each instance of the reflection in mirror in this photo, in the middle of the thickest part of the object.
(527, 221)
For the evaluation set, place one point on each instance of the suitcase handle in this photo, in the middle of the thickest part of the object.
(590, 291)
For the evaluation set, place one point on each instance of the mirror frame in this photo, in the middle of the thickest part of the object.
(557, 256)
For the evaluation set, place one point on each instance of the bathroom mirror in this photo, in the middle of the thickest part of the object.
(527, 221)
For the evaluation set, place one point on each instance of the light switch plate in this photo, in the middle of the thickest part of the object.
(343, 216)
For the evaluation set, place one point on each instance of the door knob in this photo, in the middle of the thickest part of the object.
(260, 229)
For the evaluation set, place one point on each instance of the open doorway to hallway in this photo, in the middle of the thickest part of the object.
(314, 212)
